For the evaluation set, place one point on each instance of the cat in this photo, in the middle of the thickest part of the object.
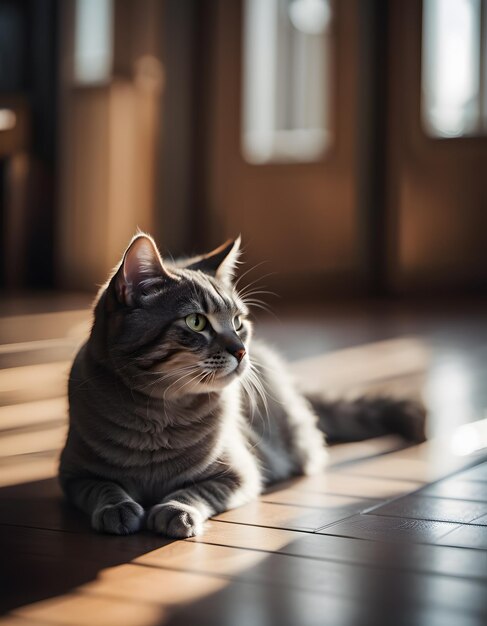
(176, 415)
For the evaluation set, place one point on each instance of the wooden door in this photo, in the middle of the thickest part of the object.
(437, 187)
(299, 216)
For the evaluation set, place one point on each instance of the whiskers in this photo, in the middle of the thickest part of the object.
(250, 300)
(248, 294)
(256, 392)
(180, 372)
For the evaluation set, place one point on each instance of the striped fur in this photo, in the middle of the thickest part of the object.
(167, 425)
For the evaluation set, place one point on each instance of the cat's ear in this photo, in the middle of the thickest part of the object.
(221, 262)
(141, 267)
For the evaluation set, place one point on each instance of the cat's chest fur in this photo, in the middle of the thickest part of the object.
(147, 445)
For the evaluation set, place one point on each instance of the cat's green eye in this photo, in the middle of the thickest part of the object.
(237, 322)
(196, 322)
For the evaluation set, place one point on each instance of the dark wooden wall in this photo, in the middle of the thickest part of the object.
(28, 84)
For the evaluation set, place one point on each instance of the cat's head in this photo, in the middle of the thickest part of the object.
(173, 328)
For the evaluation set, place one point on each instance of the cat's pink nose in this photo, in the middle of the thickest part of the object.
(239, 354)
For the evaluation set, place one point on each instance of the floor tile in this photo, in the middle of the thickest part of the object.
(476, 473)
(337, 483)
(298, 497)
(84, 610)
(355, 581)
(241, 605)
(468, 536)
(382, 528)
(436, 509)
(285, 516)
(422, 558)
(458, 489)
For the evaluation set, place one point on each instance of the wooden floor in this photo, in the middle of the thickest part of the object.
(389, 535)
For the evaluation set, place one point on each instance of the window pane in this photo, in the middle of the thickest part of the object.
(285, 80)
(93, 41)
(451, 67)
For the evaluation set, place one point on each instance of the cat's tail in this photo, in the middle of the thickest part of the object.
(367, 417)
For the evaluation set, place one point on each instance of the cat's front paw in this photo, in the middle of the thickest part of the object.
(175, 519)
(124, 518)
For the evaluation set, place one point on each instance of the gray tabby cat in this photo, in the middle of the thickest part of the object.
(175, 416)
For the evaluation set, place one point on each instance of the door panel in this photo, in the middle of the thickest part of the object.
(437, 190)
(302, 216)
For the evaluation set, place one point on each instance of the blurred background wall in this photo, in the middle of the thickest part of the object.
(345, 139)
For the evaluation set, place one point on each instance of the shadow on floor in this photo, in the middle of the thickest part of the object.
(48, 548)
